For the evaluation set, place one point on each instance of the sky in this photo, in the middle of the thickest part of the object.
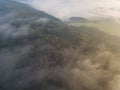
(84, 8)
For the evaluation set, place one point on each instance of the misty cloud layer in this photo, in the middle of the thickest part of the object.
(86, 8)
(42, 66)
(56, 57)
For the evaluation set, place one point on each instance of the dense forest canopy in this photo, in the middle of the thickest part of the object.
(40, 52)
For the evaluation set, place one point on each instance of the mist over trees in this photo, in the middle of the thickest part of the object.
(39, 52)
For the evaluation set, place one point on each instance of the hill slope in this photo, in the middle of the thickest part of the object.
(109, 27)
(39, 52)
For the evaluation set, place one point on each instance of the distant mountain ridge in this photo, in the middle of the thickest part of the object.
(78, 19)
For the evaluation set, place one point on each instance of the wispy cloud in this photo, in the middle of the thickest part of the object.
(87, 8)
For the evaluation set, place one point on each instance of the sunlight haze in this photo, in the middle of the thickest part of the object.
(86, 8)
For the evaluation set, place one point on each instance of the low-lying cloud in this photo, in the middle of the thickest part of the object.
(42, 65)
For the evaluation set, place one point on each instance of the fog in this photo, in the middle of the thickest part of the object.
(30, 63)
(18, 69)
(52, 69)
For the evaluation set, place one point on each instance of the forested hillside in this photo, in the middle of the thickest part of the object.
(40, 52)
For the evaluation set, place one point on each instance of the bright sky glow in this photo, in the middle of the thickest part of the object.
(86, 8)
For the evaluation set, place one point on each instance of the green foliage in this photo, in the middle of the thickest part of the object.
(55, 55)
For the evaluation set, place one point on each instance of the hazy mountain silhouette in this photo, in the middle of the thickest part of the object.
(78, 20)
(39, 52)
